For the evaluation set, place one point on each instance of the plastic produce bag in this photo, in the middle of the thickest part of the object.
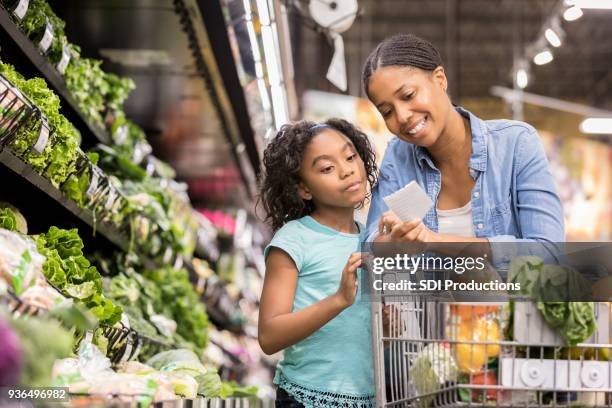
(20, 262)
(162, 359)
(432, 367)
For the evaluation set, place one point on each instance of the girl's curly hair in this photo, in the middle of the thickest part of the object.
(283, 158)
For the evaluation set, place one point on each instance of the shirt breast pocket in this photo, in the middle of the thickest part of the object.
(503, 218)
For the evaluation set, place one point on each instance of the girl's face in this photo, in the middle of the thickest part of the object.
(413, 102)
(332, 172)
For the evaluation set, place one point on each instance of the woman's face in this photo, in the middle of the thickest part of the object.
(413, 102)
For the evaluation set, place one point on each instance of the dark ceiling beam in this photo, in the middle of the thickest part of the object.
(452, 49)
(214, 22)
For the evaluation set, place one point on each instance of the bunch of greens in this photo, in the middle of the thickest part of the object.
(112, 161)
(118, 91)
(78, 182)
(34, 22)
(58, 158)
(88, 86)
(181, 302)
(7, 219)
(170, 215)
(67, 269)
(551, 286)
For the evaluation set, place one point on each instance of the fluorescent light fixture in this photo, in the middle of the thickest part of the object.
(552, 37)
(543, 57)
(600, 126)
(279, 105)
(247, 8)
(263, 92)
(253, 41)
(594, 4)
(522, 79)
(572, 14)
(262, 11)
(272, 63)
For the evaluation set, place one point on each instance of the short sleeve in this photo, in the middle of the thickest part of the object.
(288, 238)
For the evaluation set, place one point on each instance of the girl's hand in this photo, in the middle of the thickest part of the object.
(347, 291)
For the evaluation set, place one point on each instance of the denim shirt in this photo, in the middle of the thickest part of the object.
(513, 200)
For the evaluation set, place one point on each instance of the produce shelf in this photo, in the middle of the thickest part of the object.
(33, 198)
(19, 50)
(44, 204)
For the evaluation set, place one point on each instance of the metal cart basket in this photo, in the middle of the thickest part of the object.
(438, 353)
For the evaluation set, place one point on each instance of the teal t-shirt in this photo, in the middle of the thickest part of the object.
(337, 358)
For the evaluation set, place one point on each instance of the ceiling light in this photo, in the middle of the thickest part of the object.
(601, 126)
(543, 57)
(552, 37)
(594, 4)
(573, 13)
(522, 79)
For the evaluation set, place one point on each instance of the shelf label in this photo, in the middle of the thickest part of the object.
(93, 184)
(47, 39)
(121, 134)
(167, 255)
(63, 64)
(21, 9)
(112, 195)
(43, 137)
(178, 263)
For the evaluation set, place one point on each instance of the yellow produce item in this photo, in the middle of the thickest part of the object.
(471, 357)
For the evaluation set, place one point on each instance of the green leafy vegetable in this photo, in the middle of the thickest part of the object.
(551, 286)
(67, 269)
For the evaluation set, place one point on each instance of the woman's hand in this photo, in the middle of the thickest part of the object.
(392, 229)
(347, 291)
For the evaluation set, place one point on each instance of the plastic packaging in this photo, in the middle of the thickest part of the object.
(20, 262)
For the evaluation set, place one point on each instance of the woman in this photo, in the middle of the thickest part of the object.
(489, 180)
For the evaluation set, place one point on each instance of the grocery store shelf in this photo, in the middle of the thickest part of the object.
(21, 52)
(22, 186)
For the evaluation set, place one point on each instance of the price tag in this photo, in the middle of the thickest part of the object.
(167, 255)
(63, 64)
(178, 263)
(93, 184)
(47, 39)
(21, 9)
(150, 169)
(112, 195)
(121, 135)
(43, 137)
(128, 350)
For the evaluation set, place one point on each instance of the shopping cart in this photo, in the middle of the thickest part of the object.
(431, 352)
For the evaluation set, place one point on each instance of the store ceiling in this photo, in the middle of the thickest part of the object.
(144, 40)
(477, 39)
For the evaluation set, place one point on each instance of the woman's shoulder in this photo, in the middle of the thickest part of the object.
(508, 128)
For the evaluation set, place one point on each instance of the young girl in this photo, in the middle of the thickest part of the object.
(315, 176)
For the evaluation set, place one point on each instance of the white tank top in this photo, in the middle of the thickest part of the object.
(457, 221)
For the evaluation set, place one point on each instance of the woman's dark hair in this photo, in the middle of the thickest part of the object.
(404, 50)
(283, 158)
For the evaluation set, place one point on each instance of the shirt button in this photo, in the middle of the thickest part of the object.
(476, 194)
(480, 226)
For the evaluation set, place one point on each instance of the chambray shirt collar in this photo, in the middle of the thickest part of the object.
(478, 159)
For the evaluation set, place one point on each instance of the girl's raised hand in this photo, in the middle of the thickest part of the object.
(347, 291)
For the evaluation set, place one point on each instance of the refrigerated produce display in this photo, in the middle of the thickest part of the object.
(112, 285)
